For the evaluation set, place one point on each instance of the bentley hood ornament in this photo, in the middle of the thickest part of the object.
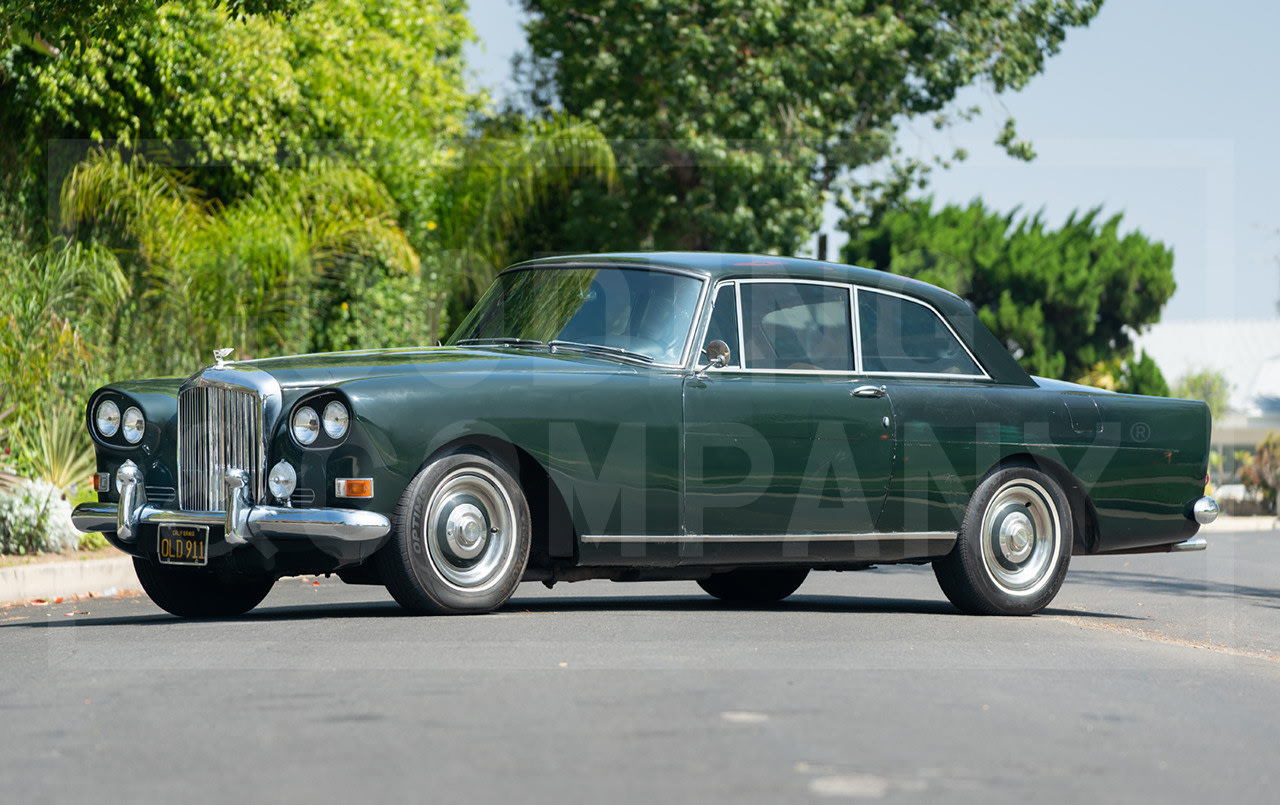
(220, 357)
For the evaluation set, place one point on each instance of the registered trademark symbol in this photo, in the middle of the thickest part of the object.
(1140, 431)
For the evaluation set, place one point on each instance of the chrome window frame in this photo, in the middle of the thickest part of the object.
(743, 369)
(858, 289)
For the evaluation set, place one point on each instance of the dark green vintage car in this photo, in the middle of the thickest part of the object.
(735, 420)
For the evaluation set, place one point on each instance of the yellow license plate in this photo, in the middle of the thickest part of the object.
(183, 545)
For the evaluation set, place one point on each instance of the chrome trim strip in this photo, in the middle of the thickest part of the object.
(682, 538)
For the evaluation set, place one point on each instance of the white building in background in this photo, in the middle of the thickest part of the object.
(1246, 352)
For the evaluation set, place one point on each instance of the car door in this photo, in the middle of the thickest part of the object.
(784, 441)
(950, 416)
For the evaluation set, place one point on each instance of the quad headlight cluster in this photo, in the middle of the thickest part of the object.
(113, 426)
(328, 426)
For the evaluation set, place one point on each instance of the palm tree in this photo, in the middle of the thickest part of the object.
(261, 272)
(497, 180)
(204, 275)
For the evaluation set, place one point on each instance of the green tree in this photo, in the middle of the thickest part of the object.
(381, 82)
(1063, 301)
(734, 118)
(1207, 385)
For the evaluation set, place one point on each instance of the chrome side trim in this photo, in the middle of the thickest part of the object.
(684, 538)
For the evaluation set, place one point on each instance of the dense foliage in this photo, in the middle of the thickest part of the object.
(273, 175)
(733, 118)
(1064, 301)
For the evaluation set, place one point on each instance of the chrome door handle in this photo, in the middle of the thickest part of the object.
(869, 391)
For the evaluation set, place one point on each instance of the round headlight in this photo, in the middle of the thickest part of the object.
(107, 418)
(282, 480)
(336, 419)
(134, 425)
(306, 425)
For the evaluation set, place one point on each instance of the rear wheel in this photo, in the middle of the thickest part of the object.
(1013, 548)
(460, 538)
(190, 593)
(754, 585)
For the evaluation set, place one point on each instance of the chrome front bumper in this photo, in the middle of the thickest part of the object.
(242, 523)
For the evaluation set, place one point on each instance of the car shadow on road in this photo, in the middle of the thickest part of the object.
(1175, 585)
(796, 604)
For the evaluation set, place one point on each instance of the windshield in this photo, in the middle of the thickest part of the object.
(620, 310)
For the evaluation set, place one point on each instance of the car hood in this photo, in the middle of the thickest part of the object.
(330, 368)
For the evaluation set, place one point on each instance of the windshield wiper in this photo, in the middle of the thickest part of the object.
(501, 342)
(625, 353)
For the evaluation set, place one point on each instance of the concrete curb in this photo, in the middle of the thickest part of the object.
(1225, 523)
(62, 579)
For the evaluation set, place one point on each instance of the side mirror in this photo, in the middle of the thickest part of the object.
(717, 353)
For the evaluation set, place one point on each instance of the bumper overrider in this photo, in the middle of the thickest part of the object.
(346, 536)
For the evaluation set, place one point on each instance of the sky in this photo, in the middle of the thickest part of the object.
(1162, 110)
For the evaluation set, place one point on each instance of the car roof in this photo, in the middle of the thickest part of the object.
(722, 266)
(1000, 365)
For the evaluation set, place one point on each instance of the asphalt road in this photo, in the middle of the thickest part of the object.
(1152, 679)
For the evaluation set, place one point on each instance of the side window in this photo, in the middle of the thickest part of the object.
(796, 326)
(724, 325)
(899, 335)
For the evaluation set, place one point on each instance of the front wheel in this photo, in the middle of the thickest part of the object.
(460, 538)
(754, 585)
(190, 593)
(1013, 548)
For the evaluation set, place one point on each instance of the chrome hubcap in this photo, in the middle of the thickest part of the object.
(469, 530)
(1021, 537)
(465, 531)
(1017, 535)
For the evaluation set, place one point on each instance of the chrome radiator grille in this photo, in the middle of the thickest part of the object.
(218, 428)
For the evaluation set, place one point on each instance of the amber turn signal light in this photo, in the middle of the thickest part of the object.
(353, 487)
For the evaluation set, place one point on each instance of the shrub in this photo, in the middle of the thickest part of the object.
(1261, 472)
(36, 517)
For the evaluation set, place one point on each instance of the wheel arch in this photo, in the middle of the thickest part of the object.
(554, 538)
(1084, 517)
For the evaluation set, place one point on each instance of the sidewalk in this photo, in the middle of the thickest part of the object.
(50, 580)
(1224, 523)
